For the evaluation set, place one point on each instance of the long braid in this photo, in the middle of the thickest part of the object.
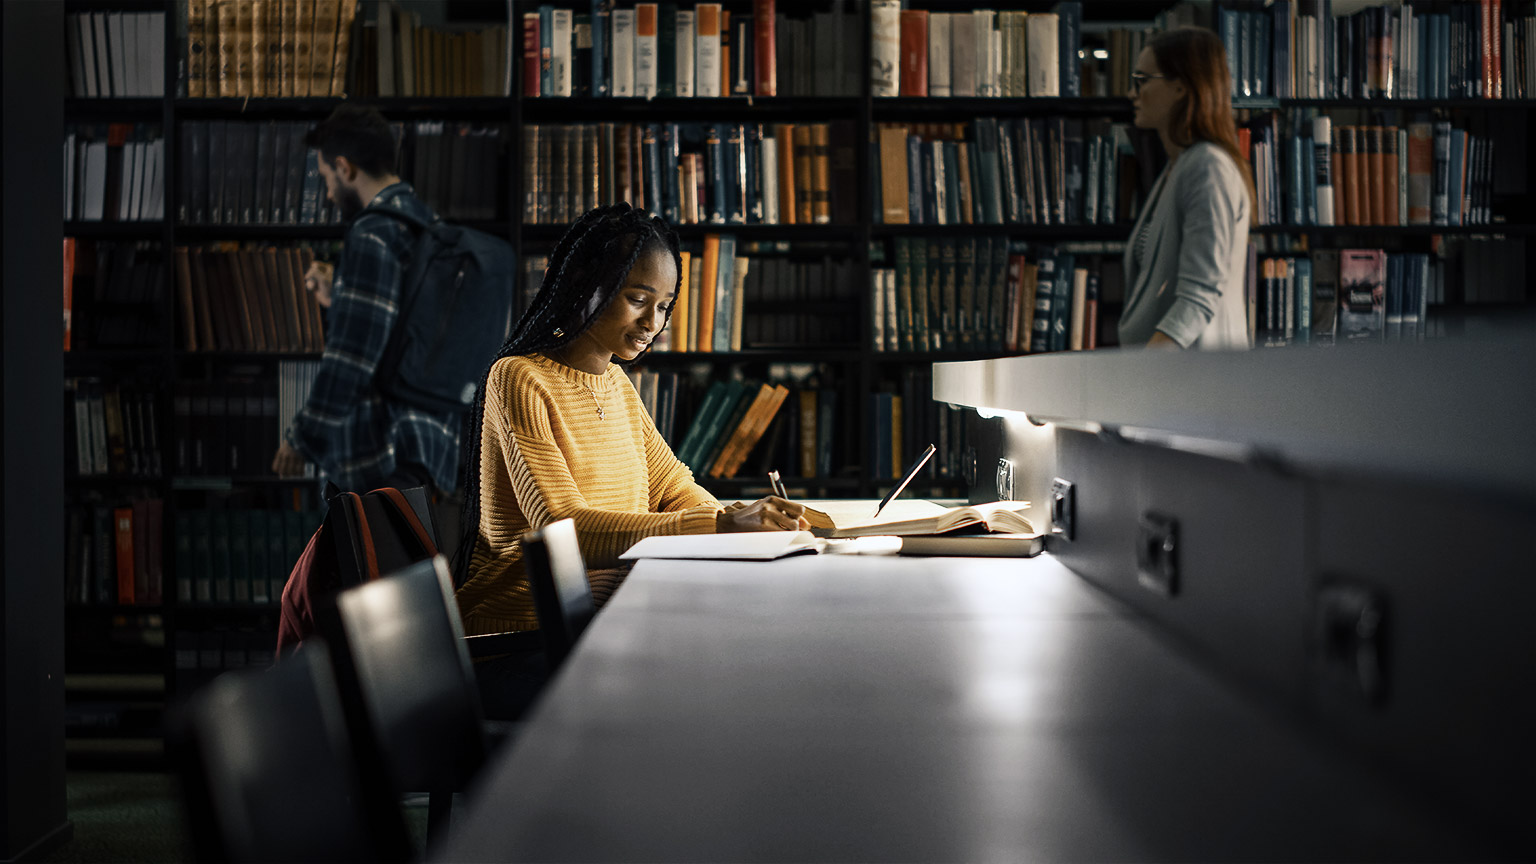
(575, 291)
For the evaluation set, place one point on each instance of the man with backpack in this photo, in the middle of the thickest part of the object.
(416, 309)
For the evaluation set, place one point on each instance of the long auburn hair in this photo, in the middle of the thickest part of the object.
(1195, 56)
(585, 272)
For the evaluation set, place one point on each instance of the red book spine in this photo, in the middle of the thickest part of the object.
(1486, 44)
(914, 52)
(69, 288)
(765, 72)
(122, 518)
(1497, 20)
(531, 55)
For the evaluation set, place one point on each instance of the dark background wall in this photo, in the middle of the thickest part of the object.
(32, 83)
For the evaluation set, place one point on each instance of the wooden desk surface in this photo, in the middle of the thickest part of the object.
(841, 708)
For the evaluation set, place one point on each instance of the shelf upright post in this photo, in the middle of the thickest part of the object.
(32, 80)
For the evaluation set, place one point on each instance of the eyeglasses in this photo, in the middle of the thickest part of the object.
(1140, 78)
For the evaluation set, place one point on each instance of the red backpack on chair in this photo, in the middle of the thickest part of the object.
(362, 538)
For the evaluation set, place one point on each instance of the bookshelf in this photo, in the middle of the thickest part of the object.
(848, 367)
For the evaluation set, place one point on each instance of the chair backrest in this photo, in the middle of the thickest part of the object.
(406, 678)
(561, 595)
(269, 773)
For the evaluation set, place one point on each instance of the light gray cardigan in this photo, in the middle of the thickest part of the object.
(1190, 285)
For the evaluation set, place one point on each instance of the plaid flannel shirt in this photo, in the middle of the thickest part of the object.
(347, 428)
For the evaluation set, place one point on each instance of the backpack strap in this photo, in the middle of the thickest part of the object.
(407, 514)
(367, 558)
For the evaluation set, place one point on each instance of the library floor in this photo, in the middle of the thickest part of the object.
(134, 816)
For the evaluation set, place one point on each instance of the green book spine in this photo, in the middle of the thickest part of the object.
(1061, 303)
(933, 272)
(666, 50)
(711, 403)
(261, 587)
(949, 301)
(967, 309)
(997, 295)
(239, 557)
(719, 432)
(904, 293)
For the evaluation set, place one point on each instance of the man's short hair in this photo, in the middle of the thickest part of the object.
(359, 133)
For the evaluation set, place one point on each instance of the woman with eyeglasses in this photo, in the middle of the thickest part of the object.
(1184, 263)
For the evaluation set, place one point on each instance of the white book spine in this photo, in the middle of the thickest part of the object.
(885, 52)
(623, 52)
(769, 166)
(706, 64)
(995, 62)
(1322, 152)
(69, 176)
(87, 34)
(645, 51)
(938, 54)
(560, 52)
(118, 49)
(94, 194)
(1043, 55)
(685, 41)
(962, 58)
(981, 30)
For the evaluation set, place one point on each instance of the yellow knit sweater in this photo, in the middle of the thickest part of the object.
(545, 454)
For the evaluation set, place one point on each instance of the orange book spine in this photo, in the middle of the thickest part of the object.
(678, 319)
(704, 339)
(784, 137)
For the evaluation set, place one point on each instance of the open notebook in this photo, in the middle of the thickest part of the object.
(914, 517)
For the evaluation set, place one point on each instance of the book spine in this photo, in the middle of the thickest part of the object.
(646, 24)
(914, 52)
(707, 61)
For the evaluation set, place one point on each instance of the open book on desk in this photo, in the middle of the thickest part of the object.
(768, 545)
(914, 517)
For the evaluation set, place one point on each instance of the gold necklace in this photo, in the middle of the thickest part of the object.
(593, 394)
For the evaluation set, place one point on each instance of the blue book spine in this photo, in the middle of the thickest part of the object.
(714, 155)
(1280, 25)
(1296, 172)
(1061, 303)
(669, 157)
(546, 49)
(736, 182)
(1301, 268)
(1258, 25)
(754, 189)
(601, 85)
(724, 296)
(653, 185)
(1069, 25)
(1309, 181)
(930, 197)
(915, 186)
(1330, 78)
(1227, 26)
(1045, 297)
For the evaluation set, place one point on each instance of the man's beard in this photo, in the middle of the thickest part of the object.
(349, 203)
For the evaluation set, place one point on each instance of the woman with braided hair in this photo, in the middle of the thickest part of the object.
(559, 431)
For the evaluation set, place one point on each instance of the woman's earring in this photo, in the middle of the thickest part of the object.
(559, 333)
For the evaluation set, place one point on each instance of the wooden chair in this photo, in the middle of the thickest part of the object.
(269, 773)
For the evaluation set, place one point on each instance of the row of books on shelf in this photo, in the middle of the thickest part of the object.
(988, 294)
(1319, 173)
(121, 284)
(232, 427)
(402, 57)
(714, 173)
(115, 429)
(243, 173)
(113, 552)
(268, 48)
(237, 556)
(1035, 170)
(646, 50)
(1411, 50)
(785, 423)
(115, 54)
(247, 298)
(980, 52)
(201, 655)
(114, 173)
